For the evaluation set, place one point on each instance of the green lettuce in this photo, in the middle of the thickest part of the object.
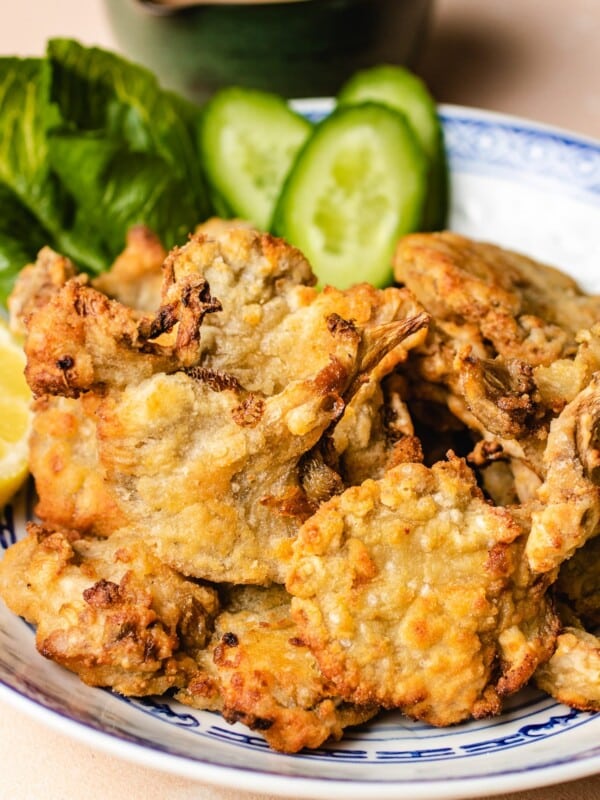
(89, 146)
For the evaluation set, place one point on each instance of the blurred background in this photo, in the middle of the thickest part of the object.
(533, 58)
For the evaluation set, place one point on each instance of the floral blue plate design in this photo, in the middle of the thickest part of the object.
(518, 184)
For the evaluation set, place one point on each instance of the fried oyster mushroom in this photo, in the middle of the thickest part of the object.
(36, 284)
(134, 279)
(495, 297)
(413, 593)
(81, 340)
(71, 484)
(568, 512)
(256, 670)
(108, 609)
(572, 675)
(508, 345)
(227, 395)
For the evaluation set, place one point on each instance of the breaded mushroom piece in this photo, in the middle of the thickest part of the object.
(107, 609)
(412, 593)
(521, 308)
(508, 345)
(36, 284)
(72, 490)
(135, 278)
(256, 670)
(568, 512)
(201, 420)
(572, 675)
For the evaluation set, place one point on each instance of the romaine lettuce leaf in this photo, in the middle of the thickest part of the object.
(21, 236)
(90, 145)
(115, 188)
(26, 115)
(103, 94)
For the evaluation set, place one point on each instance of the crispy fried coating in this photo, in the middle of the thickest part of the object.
(269, 330)
(375, 432)
(35, 285)
(376, 426)
(81, 340)
(231, 409)
(207, 415)
(524, 309)
(107, 609)
(511, 344)
(214, 227)
(501, 395)
(135, 278)
(71, 483)
(259, 280)
(234, 495)
(572, 675)
(561, 381)
(412, 593)
(258, 671)
(240, 477)
(569, 497)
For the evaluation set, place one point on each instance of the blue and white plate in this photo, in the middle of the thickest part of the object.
(518, 184)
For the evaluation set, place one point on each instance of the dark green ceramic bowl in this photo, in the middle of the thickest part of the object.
(305, 48)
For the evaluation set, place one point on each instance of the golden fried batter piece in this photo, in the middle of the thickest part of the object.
(413, 593)
(258, 280)
(376, 427)
(107, 609)
(569, 497)
(135, 278)
(234, 493)
(501, 395)
(252, 332)
(235, 442)
(375, 433)
(71, 483)
(242, 475)
(524, 309)
(258, 671)
(508, 344)
(572, 675)
(561, 381)
(35, 285)
(269, 330)
(81, 340)
(497, 404)
(507, 483)
(214, 227)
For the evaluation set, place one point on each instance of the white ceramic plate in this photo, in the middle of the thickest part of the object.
(520, 185)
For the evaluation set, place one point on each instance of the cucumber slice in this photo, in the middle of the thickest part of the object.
(403, 90)
(357, 185)
(248, 141)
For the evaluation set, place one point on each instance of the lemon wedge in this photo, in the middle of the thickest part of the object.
(15, 416)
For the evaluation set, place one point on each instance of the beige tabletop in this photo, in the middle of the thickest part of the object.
(534, 58)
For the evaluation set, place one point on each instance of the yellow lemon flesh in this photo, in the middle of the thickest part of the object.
(15, 416)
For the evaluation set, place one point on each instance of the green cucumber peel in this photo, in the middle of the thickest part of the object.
(399, 88)
(356, 187)
(249, 139)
